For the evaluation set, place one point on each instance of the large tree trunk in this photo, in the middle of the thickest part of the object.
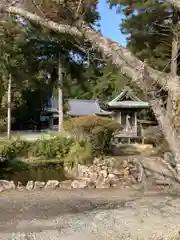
(169, 134)
(164, 120)
(173, 95)
(173, 103)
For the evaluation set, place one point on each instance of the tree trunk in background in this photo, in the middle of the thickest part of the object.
(9, 108)
(60, 94)
(171, 101)
(174, 56)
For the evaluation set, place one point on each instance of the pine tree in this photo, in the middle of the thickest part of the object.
(150, 26)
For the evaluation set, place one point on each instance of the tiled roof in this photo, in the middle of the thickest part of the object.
(126, 99)
(79, 107)
(126, 93)
(128, 104)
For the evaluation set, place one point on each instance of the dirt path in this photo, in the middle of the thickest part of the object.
(89, 214)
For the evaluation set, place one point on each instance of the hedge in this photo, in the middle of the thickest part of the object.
(56, 147)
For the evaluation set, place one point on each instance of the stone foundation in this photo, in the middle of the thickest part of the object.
(106, 173)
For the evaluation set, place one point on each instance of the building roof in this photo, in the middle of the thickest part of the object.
(126, 93)
(126, 99)
(80, 107)
(128, 104)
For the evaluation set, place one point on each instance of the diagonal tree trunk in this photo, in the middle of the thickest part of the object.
(120, 56)
(113, 51)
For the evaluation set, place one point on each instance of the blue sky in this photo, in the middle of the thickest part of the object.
(110, 22)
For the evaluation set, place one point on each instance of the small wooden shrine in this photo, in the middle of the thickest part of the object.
(125, 109)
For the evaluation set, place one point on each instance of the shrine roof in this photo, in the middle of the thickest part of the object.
(126, 99)
(128, 104)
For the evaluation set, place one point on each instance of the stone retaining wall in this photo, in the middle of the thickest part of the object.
(107, 173)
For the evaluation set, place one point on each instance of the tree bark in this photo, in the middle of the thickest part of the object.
(164, 120)
(60, 94)
(174, 55)
(170, 135)
(175, 3)
(9, 108)
(171, 100)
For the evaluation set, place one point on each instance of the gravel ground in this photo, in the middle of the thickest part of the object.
(89, 214)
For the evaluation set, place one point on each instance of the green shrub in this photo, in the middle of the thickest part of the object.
(81, 152)
(13, 149)
(56, 147)
(3, 124)
(101, 137)
(52, 148)
(97, 129)
(84, 125)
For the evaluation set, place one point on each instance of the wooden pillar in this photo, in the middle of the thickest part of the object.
(135, 121)
(142, 134)
(120, 117)
(126, 121)
(51, 122)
